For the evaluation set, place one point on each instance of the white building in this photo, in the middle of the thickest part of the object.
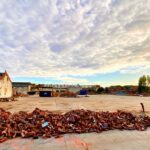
(21, 87)
(6, 90)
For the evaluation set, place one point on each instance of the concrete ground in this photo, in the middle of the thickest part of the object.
(117, 140)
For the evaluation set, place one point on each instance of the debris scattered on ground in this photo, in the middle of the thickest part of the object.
(20, 95)
(68, 94)
(143, 110)
(8, 99)
(46, 124)
(55, 94)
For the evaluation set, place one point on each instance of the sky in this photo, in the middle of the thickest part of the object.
(104, 42)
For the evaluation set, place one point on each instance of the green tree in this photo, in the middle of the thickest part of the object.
(143, 85)
(148, 80)
(144, 80)
(100, 90)
(148, 83)
(106, 90)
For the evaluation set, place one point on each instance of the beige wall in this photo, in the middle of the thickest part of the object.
(21, 90)
(5, 88)
(74, 89)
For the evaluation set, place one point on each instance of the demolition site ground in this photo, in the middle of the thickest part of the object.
(107, 140)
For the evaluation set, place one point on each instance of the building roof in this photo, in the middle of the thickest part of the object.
(3, 74)
(21, 84)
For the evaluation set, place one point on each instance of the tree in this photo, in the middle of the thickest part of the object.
(148, 83)
(100, 90)
(140, 88)
(144, 83)
(106, 90)
(148, 80)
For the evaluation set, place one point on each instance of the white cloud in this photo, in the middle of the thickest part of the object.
(55, 38)
(71, 80)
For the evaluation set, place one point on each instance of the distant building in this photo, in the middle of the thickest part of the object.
(61, 88)
(21, 87)
(6, 90)
(74, 89)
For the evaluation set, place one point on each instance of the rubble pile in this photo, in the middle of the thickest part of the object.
(68, 94)
(46, 124)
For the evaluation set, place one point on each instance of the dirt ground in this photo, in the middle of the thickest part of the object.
(117, 140)
(93, 102)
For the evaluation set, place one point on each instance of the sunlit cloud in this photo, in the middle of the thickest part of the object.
(59, 38)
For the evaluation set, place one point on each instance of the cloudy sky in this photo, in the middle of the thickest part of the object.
(75, 41)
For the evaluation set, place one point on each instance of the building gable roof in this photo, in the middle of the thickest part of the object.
(3, 74)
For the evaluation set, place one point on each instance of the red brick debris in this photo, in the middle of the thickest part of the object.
(45, 124)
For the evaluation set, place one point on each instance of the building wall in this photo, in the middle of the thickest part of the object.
(20, 90)
(5, 87)
(74, 89)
